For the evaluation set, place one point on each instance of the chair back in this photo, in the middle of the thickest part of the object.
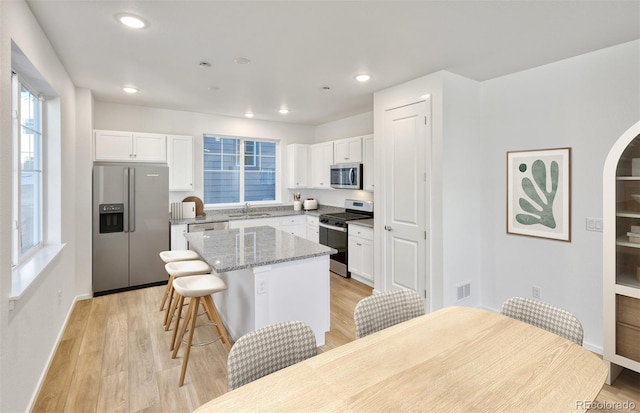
(383, 310)
(269, 349)
(545, 316)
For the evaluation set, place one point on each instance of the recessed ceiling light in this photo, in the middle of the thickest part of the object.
(204, 64)
(130, 89)
(362, 77)
(131, 21)
(242, 61)
(213, 88)
(325, 88)
(284, 111)
(248, 115)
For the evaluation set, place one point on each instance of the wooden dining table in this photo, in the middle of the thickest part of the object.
(457, 359)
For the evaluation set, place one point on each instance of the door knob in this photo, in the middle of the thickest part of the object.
(388, 228)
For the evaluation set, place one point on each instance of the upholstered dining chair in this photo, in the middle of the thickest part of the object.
(545, 316)
(386, 309)
(268, 350)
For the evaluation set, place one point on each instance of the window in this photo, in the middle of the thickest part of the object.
(28, 179)
(239, 170)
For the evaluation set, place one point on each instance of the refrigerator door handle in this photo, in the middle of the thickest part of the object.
(132, 200)
(125, 224)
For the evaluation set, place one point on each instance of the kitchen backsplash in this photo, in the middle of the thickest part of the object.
(334, 197)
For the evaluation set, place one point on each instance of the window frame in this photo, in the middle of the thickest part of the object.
(18, 257)
(241, 167)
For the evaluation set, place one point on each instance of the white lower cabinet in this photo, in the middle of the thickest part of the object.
(178, 241)
(313, 229)
(361, 253)
(257, 222)
(296, 225)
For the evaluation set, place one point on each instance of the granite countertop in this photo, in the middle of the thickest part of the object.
(224, 215)
(237, 249)
(362, 222)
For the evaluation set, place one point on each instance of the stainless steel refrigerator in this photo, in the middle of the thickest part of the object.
(130, 225)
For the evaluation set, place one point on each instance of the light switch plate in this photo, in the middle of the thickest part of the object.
(594, 224)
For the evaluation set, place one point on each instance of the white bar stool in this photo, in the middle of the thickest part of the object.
(173, 256)
(181, 269)
(199, 289)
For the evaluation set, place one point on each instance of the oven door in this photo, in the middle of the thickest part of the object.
(336, 238)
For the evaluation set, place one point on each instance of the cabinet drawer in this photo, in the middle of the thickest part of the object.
(627, 339)
(311, 220)
(629, 311)
(360, 231)
(293, 220)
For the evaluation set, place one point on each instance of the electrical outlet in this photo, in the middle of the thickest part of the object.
(463, 291)
(261, 287)
(536, 292)
(59, 296)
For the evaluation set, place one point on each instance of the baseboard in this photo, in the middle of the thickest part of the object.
(45, 371)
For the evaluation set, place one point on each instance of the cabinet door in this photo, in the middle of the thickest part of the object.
(367, 162)
(367, 258)
(178, 241)
(149, 147)
(348, 150)
(355, 255)
(299, 230)
(313, 229)
(256, 222)
(313, 233)
(321, 159)
(180, 159)
(113, 146)
(295, 224)
(298, 161)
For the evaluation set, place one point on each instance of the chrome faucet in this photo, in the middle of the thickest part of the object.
(245, 210)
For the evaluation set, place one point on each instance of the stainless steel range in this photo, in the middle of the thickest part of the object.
(334, 232)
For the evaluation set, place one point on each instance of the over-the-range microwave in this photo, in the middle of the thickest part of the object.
(346, 176)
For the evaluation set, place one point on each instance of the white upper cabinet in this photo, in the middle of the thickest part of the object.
(298, 161)
(180, 160)
(149, 147)
(367, 162)
(117, 146)
(347, 150)
(321, 159)
(113, 146)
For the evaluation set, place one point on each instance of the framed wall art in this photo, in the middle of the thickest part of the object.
(539, 193)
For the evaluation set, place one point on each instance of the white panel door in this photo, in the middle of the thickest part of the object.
(406, 137)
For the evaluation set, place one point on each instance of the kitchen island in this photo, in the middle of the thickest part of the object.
(271, 275)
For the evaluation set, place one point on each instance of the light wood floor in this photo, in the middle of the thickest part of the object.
(113, 357)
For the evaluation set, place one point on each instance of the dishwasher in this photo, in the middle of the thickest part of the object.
(207, 226)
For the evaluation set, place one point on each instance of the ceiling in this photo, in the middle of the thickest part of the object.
(297, 48)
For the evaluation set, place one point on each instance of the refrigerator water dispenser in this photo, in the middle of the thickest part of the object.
(111, 218)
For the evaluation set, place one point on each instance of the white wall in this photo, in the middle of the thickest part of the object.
(585, 103)
(146, 119)
(29, 332)
(351, 126)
